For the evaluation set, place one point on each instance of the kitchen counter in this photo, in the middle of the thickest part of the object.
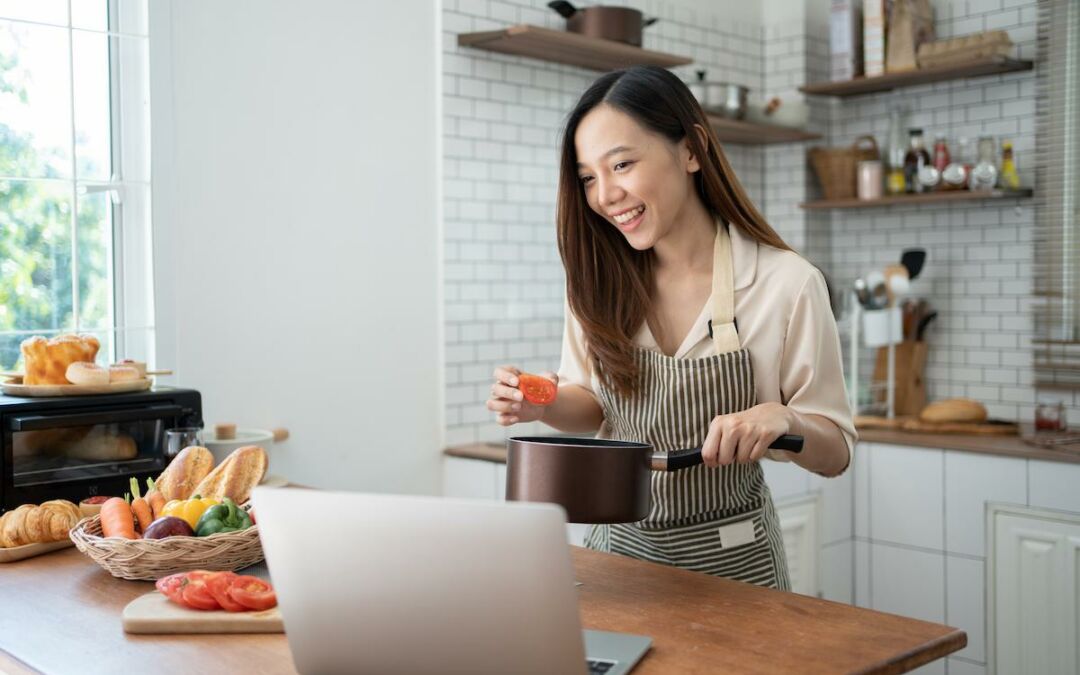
(1008, 446)
(61, 614)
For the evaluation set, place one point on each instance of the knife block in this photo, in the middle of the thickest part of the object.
(910, 366)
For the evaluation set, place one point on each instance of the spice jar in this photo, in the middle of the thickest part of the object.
(1050, 416)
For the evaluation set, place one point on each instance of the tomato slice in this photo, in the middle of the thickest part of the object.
(194, 592)
(536, 389)
(253, 593)
(218, 585)
(170, 586)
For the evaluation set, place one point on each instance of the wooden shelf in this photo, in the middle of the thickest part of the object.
(928, 198)
(565, 47)
(889, 81)
(741, 132)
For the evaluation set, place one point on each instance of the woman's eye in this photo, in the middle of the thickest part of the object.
(622, 165)
(585, 180)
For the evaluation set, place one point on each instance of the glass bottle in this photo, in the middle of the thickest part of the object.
(985, 173)
(941, 153)
(1010, 179)
(916, 158)
(955, 175)
(894, 181)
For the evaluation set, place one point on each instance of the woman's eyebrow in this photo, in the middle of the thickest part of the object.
(614, 151)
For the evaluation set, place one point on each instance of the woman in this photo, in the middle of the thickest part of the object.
(689, 323)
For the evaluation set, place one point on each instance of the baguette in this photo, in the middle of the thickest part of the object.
(187, 470)
(236, 476)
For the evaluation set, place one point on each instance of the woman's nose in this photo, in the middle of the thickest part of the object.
(609, 191)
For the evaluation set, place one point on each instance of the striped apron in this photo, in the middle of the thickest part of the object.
(719, 521)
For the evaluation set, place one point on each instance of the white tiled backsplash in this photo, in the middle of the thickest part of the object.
(502, 121)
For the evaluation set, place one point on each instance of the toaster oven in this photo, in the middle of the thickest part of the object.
(78, 446)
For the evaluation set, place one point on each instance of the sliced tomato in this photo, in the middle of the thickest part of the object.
(253, 593)
(194, 592)
(218, 584)
(536, 389)
(170, 586)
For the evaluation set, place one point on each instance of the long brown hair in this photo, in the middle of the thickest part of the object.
(609, 284)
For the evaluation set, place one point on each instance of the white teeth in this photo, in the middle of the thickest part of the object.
(629, 215)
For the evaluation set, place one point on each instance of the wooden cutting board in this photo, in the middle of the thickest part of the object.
(154, 613)
(907, 423)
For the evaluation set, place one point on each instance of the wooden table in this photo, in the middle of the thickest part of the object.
(60, 613)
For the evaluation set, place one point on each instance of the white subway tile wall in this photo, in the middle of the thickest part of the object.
(978, 273)
(502, 123)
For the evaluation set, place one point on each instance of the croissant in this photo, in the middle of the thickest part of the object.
(13, 532)
(29, 524)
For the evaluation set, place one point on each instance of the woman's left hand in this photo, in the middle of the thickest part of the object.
(745, 436)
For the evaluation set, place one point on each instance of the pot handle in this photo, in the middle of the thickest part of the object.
(688, 457)
(564, 8)
(648, 22)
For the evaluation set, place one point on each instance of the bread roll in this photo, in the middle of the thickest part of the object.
(47, 361)
(86, 373)
(187, 470)
(237, 476)
(954, 410)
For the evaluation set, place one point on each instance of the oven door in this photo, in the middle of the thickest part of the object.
(72, 455)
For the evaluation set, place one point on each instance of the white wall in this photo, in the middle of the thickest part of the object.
(296, 218)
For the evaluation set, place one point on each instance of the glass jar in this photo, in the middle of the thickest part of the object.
(1049, 416)
(985, 173)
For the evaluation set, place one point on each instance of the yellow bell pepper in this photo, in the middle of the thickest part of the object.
(189, 510)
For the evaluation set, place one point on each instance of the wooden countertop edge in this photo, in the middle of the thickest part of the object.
(1004, 446)
(939, 649)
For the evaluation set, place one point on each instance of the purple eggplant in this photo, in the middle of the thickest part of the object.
(168, 526)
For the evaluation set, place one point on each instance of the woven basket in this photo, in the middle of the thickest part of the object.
(835, 167)
(150, 559)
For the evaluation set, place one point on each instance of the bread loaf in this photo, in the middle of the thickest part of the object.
(102, 447)
(47, 361)
(954, 410)
(187, 470)
(237, 476)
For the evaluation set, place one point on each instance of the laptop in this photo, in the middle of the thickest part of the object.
(371, 583)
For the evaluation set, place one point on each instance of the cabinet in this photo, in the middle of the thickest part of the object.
(799, 525)
(1034, 591)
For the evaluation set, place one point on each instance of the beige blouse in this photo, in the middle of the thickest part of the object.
(785, 320)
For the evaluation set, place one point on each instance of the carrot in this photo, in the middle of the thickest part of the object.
(156, 499)
(117, 519)
(144, 515)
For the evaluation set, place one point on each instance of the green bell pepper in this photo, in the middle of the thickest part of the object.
(224, 517)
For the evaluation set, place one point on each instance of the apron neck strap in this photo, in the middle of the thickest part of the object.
(724, 334)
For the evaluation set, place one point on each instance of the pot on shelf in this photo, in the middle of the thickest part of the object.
(621, 24)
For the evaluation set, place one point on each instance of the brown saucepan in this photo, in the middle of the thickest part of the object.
(596, 480)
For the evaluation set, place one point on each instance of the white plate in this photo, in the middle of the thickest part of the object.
(16, 388)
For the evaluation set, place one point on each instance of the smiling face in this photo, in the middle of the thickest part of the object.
(637, 180)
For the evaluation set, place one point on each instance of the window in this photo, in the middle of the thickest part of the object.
(1057, 226)
(75, 174)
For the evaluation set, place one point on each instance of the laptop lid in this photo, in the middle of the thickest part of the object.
(405, 584)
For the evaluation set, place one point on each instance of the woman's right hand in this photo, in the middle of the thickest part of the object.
(506, 401)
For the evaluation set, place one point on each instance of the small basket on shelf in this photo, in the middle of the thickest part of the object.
(835, 167)
(151, 559)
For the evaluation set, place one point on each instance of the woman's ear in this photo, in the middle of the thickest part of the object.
(693, 163)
